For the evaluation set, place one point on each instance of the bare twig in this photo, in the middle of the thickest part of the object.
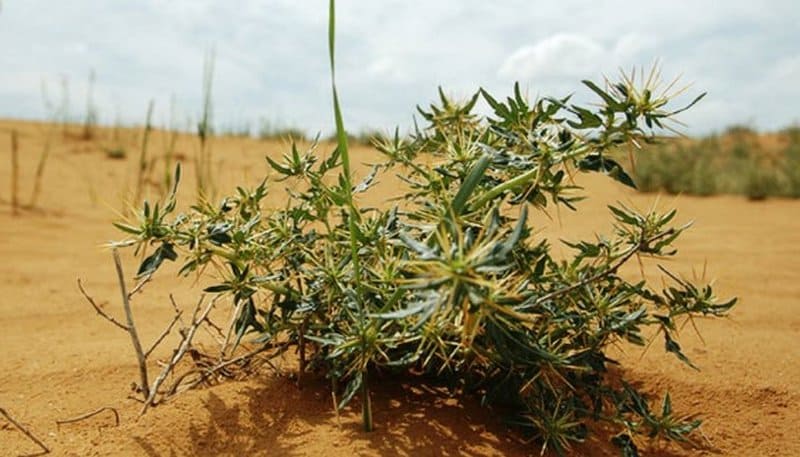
(206, 372)
(25, 431)
(301, 345)
(99, 310)
(188, 334)
(232, 324)
(220, 334)
(14, 173)
(37, 183)
(216, 327)
(163, 334)
(137, 345)
(138, 287)
(91, 414)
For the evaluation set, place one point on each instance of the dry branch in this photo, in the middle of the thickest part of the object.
(236, 311)
(220, 334)
(164, 334)
(91, 414)
(14, 173)
(99, 310)
(138, 287)
(205, 373)
(37, 183)
(25, 431)
(131, 327)
(186, 342)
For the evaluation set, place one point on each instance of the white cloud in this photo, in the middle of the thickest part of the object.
(561, 55)
(391, 55)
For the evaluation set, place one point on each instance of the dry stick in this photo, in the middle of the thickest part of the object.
(206, 372)
(14, 173)
(163, 334)
(301, 342)
(37, 183)
(207, 320)
(236, 311)
(140, 178)
(138, 287)
(179, 353)
(25, 431)
(216, 327)
(88, 415)
(99, 310)
(131, 327)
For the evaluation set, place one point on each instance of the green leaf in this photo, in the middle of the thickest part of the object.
(666, 409)
(470, 183)
(697, 99)
(626, 445)
(127, 228)
(589, 120)
(596, 162)
(625, 217)
(352, 387)
(150, 264)
(279, 168)
(672, 346)
(218, 288)
(610, 101)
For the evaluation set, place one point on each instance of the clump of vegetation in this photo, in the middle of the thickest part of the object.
(736, 162)
(90, 118)
(270, 130)
(451, 283)
(116, 153)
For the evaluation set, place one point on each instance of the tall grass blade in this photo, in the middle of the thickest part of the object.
(341, 137)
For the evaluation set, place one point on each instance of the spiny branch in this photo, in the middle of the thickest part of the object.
(608, 271)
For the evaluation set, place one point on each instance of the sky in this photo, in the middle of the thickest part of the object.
(271, 60)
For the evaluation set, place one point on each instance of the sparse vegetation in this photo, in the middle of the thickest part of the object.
(271, 130)
(740, 161)
(90, 118)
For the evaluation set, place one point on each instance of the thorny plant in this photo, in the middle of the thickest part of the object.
(451, 282)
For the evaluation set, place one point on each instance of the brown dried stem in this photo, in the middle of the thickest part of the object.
(24, 430)
(188, 334)
(37, 183)
(206, 372)
(91, 414)
(131, 327)
(99, 310)
(14, 173)
(164, 334)
(231, 326)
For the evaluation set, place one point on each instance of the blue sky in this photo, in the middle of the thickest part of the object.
(271, 56)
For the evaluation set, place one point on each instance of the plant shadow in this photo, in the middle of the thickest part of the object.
(273, 417)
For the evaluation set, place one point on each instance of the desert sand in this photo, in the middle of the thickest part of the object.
(59, 359)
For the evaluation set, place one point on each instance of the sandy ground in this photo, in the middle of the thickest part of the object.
(59, 359)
